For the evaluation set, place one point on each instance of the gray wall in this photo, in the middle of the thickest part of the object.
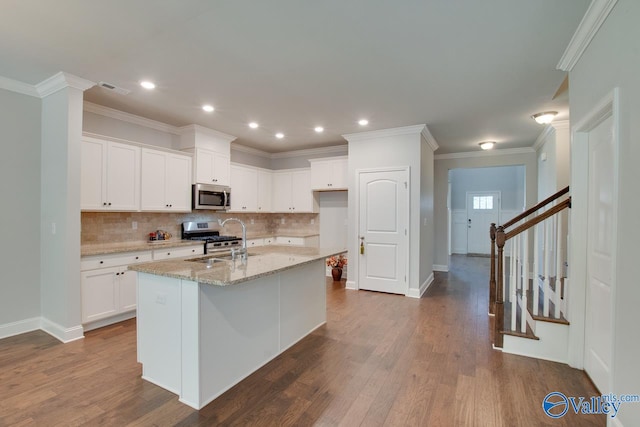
(20, 195)
(442, 168)
(611, 60)
(509, 180)
(245, 158)
(102, 125)
(292, 161)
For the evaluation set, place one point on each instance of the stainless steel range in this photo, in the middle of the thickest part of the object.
(208, 233)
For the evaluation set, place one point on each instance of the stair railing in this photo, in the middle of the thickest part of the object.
(545, 273)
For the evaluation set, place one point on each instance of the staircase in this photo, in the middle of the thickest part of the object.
(528, 284)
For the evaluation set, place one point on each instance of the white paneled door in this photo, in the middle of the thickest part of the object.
(383, 231)
(483, 208)
(600, 254)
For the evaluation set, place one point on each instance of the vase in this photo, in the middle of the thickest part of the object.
(336, 273)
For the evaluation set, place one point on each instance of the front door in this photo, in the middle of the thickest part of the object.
(383, 231)
(483, 208)
(600, 254)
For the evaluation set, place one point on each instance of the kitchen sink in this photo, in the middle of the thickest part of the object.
(216, 258)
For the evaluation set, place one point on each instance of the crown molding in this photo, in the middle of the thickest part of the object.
(18, 87)
(487, 153)
(591, 22)
(129, 118)
(542, 138)
(250, 150)
(335, 149)
(211, 132)
(430, 139)
(383, 133)
(560, 124)
(60, 81)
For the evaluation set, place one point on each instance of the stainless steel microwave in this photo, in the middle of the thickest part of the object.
(212, 197)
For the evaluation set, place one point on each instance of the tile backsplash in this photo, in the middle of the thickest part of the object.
(100, 227)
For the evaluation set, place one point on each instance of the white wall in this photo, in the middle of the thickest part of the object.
(443, 164)
(425, 218)
(20, 195)
(612, 59)
(108, 126)
(553, 157)
(509, 180)
(333, 214)
(391, 151)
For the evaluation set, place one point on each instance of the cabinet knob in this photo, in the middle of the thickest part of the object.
(109, 203)
(117, 274)
(104, 204)
(101, 262)
(137, 257)
(168, 253)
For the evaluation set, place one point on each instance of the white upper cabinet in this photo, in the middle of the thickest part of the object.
(212, 167)
(292, 193)
(264, 191)
(110, 176)
(244, 189)
(166, 181)
(329, 174)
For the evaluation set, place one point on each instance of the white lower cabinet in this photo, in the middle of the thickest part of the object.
(254, 243)
(311, 241)
(160, 254)
(108, 288)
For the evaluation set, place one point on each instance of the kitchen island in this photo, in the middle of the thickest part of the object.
(205, 325)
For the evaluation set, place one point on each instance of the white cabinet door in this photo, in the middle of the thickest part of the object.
(264, 191)
(281, 192)
(166, 181)
(100, 293)
(339, 173)
(153, 180)
(92, 174)
(178, 183)
(127, 283)
(110, 176)
(301, 194)
(212, 167)
(244, 187)
(123, 177)
(321, 172)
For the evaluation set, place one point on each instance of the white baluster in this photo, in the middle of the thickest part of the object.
(525, 280)
(547, 268)
(558, 293)
(536, 269)
(513, 282)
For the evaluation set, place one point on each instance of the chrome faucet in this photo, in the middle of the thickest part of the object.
(242, 251)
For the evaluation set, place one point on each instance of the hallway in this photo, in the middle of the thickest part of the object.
(380, 360)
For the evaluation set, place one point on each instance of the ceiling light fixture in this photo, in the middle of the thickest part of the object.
(279, 135)
(319, 129)
(545, 118)
(363, 122)
(208, 108)
(487, 145)
(253, 125)
(147, 84)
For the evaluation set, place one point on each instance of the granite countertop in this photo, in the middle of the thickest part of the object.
(117, 247)
(263, 261)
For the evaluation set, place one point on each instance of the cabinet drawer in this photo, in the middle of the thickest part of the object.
(113, 260)
(295, 241)
(252, 243)
(160, 254)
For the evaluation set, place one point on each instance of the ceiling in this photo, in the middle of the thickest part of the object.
(471, 70)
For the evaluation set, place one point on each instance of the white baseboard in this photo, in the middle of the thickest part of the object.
(440, 267)
(109, 321)
(19, 327)
(417, 293)
(61, 333)
(351, 284)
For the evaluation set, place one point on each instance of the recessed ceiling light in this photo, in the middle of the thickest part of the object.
(208, 108)
(545, 118)
(147, 84)
(279, 135)
(363, 122)
(253, 125)
(319, 129)
(487, 145)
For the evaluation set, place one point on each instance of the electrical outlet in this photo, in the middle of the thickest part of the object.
(282, 221)
(53, 228)
(313, 221)
(161, 299)
(252, 221)
(134, 225)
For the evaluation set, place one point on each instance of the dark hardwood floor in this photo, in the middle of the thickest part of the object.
(380, 360)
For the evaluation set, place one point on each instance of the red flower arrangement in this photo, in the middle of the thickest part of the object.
(337, 261)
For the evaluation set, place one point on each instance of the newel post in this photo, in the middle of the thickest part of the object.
(492, 275)
(499, 305)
